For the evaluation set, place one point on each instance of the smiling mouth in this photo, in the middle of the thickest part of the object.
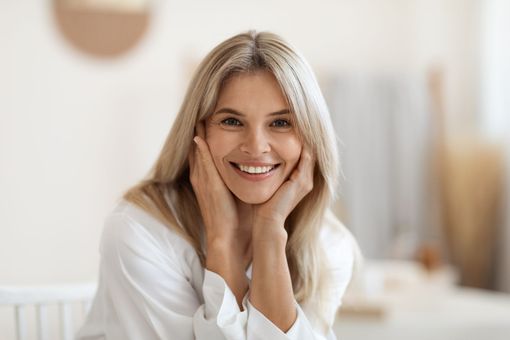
(255, 170)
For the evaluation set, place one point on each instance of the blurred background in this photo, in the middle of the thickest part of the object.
(419, 95)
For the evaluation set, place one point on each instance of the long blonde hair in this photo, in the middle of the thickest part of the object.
(169, 177)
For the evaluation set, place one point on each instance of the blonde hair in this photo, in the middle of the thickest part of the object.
(169, 177)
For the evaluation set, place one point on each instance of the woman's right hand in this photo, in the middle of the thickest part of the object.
(217, 205)
(225, 254)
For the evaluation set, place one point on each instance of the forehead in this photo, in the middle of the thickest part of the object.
(252, 92)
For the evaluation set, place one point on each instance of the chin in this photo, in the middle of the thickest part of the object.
(253, 198)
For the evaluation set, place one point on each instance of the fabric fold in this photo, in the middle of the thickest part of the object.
(152, 286)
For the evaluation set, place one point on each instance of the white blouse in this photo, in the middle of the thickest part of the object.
(152, 286)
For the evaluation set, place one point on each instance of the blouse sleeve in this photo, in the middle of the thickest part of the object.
(153, 298)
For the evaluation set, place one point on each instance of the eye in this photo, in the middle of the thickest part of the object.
(231, 122)
(281, 123)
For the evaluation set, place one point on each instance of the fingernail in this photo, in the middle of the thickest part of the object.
(195, 139)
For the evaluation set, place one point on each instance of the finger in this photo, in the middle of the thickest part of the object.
(308, 161)
(194, 152)
(305, 164)
(303, 174)
(206, 167)
(306, 155)
(194, 169)
(200, 141)
(204, 153)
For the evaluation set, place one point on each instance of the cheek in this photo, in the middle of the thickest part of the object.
(219, 144)
(291, 151)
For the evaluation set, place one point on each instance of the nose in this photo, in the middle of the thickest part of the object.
(255, 142)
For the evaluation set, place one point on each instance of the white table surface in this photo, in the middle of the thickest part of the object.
(425, 313)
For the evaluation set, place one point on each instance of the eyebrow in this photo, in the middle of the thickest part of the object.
(237, 113)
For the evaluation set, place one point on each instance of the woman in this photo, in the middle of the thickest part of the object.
(230, 236)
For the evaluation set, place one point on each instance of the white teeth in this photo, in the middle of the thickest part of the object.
(255, 170)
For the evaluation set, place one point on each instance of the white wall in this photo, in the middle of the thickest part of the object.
(75, 132)
(495, 103)
(495, 84)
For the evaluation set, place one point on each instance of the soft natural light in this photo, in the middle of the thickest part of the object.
(495, 71)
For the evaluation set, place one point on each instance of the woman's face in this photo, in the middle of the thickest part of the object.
(251, 136)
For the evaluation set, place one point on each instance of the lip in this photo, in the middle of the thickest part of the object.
(255, 177)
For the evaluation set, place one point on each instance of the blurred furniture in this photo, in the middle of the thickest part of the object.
(384, 124)
(401, 300)
(40, 298)
(472, 187)
(470, 172)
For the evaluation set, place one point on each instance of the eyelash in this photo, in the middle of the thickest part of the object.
(224, 122)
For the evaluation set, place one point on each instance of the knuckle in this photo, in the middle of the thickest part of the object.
(309, 187)
(193, 177)
(302, 183)
(193, 180)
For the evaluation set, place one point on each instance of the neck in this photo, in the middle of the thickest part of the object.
(245, 212)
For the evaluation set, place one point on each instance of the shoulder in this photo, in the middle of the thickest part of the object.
(130, 231)
(341, 252)
(335, 235)
(341, 247)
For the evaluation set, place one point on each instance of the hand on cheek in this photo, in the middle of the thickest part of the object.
(216, 202)
(287, 197)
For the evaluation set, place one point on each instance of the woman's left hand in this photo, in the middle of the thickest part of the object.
(286, 198)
